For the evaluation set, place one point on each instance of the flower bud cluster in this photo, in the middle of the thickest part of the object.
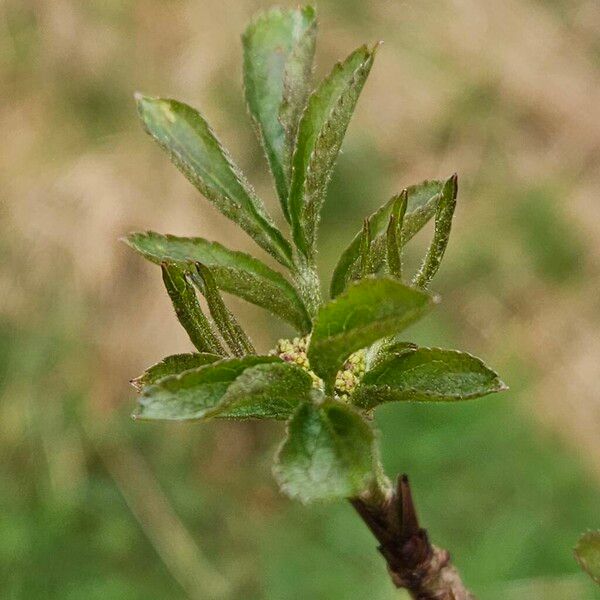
(349, 376)
(295, 351)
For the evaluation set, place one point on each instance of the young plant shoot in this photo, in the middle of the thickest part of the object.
(350, 354)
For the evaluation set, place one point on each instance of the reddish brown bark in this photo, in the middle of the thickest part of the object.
(413, 562)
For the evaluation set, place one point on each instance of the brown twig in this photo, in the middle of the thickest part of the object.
(413, 562)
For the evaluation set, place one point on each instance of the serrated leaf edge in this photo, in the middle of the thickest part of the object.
(136, 381)
(432, 299)
(303, 322)
(177, 377)
(262, 229)
(298, 232)
(312, 202)
(260, 19)
(500, 386)
(214, 412)
(343, 270)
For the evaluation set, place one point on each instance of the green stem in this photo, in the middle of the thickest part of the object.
(308, 285)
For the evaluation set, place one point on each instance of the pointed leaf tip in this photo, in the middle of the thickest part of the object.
(184, 134)
(425, 375)
(441, 235)
(172, 365)
(279, 49)
(320, 135)
(422, 203)
(195, 393)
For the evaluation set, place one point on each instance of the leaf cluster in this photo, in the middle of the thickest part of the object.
(329, 449)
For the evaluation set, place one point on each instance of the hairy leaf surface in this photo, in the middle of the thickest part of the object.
(441, 235)
(426, 375)
(191, 395)
(173, 365)
(192, 146)
(279, 47)
(188, 310)
(266, 391)
(235, 337)
(422, 201)
(320, 135)
(393, 236)
(326, 455)
(367, 311)
(234, 272)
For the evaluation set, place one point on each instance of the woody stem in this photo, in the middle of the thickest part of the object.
(413, 562)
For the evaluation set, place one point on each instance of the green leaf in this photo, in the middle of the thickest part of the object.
(365, 249)
(279, 47)
(385, 349)
(422, 202)
(587, 553)
(234, 272)
(188, 310)
(426, 375)
(192, 146)
(393, 236)
(266, 391)
(327, 454)
(320, 135)
(234, 336)
(308, 284)
(193, 394)
(297, 83)
(443, 223)
(367, 311)
(173, 365)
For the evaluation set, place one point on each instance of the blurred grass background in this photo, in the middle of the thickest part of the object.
(95, 506)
